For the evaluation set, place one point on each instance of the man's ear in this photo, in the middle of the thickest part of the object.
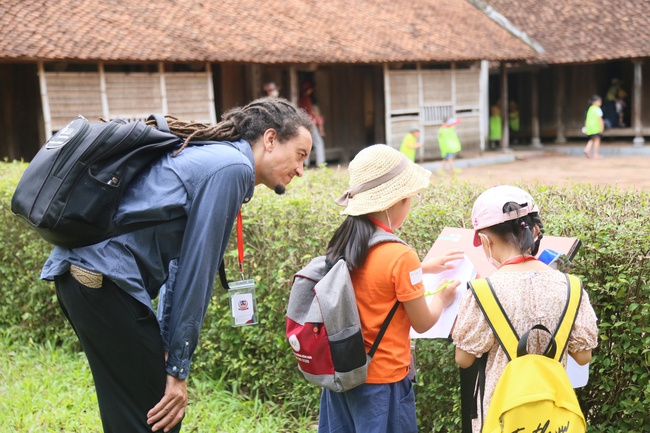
(270, 138)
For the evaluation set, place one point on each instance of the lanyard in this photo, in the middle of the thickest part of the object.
(380, 224)
(240, 243)
(518, 259)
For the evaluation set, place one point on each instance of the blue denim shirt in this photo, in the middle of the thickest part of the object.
(198, 195)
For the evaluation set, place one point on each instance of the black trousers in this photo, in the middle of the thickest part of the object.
(121, 339)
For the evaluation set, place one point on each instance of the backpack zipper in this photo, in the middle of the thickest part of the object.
(63, 158)
(114, 180)
(70, 147)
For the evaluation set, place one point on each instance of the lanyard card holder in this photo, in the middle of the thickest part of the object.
(243, 305)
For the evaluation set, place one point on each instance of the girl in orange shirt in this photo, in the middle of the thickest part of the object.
(383, 183)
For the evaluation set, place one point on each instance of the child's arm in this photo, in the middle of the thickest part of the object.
(582, 357)
(422, 315)
(464, 359)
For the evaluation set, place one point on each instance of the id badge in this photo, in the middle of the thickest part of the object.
(243, 306)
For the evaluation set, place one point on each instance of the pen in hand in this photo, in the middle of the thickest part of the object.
(439, 289)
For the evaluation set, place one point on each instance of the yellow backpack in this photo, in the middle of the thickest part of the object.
(534, 394)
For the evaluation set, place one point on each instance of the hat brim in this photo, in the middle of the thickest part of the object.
(477, 239)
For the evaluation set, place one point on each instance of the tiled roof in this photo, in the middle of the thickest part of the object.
(582, 30)
(272, 31)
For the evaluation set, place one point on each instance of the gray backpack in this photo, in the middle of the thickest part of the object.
(323, 325)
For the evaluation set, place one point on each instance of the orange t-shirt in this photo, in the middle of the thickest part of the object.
(392, 271)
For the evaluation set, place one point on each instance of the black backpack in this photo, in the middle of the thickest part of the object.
(70, 191)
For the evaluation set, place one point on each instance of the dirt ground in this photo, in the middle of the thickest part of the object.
(556, 168)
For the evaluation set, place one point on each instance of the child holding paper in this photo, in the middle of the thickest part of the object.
(508, 228)
(383, 185)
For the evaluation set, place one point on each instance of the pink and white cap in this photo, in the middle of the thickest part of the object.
(488, 207)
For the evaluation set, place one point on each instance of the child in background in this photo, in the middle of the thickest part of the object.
(508, 227)
(411, 142)
(318, 119)
(514, 122)
(383, 186)
(594, 127)
(449, 145)
(496, 127)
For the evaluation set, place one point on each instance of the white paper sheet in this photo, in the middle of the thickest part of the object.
(578, 374)
(464, 271)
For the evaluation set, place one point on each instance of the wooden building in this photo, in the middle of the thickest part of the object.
(586, 45)
(378, 65)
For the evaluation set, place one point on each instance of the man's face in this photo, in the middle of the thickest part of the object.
(416, 134)
(285, 160)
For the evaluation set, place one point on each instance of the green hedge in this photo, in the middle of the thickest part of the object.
(284, 233)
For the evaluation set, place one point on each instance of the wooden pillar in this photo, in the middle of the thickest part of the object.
(423, 136)
(387, 103)
(636, 104)
(106, 112)
(559, 104)
(293, 80)
(379, 111)
(505, 118)
(163, 88)
(484, 103)
(255, 89)
(534, 109)
(211, 103)
(45, 101)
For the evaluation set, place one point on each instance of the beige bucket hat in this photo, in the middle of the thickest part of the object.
(380, 176)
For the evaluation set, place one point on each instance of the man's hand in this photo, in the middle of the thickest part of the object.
(171, 408)
(438, 264)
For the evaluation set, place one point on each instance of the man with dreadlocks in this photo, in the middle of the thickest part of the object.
(139, 361)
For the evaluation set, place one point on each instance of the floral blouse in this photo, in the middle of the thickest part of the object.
(528, 298)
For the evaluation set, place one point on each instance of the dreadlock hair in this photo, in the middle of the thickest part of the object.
(350, 241)
(247, 123)
(520, 231)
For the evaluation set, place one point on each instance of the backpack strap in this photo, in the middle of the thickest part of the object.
(496, 317)
(509, 340)
(377, 238)
(574, 298)
(382, 330)
(161, 122)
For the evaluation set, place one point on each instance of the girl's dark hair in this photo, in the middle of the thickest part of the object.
(248, 123)
(350, 241)
(520, 231)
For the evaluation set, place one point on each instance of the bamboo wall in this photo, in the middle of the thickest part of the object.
(425, 98)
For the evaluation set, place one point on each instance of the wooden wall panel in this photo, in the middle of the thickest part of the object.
(71, 94)
(437, 87)
(187, 96)
(404, 91)
(133, 96)
(467, 88)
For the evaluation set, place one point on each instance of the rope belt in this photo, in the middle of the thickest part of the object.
(86, 277)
